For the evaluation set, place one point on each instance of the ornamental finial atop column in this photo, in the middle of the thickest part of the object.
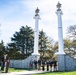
(37, 11)
(58, 6)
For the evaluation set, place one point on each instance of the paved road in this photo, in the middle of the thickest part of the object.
(23, 73)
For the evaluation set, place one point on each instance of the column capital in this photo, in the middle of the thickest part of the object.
(59, 12)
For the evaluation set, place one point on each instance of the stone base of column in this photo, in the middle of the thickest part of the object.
(30, 60)
(61, 62)
(37, 54)
(35, 57)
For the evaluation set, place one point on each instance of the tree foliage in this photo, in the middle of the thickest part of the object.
(45, 44)
(22, 44)
(2, 49)
(23, 41)
(71, 42)
(71, 30)
(70, 47)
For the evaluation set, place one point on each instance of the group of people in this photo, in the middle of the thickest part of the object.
(49, 65)
(5, 63)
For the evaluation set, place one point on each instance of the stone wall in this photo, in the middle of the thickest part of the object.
(70, 64)
(23, 63)
(66, 63)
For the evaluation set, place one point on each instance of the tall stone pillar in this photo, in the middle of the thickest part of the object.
(60, 32)
(36, 32)
(61, 53)
(35, 54)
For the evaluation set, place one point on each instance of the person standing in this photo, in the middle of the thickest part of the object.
(31, 63)
(35, 64)
(47, 64)
(3, 62)
(7, 64)
(39, 64)
(43, 65)
(54, 64)
(51, 65)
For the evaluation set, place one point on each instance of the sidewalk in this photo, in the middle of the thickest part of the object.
(23, 73)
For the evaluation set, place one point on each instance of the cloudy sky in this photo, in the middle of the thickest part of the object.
(17, 13)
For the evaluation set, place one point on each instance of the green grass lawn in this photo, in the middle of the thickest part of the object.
(58, 73)
(47, 73)
(14, 70)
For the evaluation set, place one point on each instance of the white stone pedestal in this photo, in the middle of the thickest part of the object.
(35, 57)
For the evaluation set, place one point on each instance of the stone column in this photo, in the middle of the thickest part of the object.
(35, 54)
(60, 33)
(36, 32)
(61, 53)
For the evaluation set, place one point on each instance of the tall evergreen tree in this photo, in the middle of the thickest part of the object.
(24, 40)
(42, 42)
(45, 45)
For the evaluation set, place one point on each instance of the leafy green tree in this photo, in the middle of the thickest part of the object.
(45, 46)
(71, 31)
(12, 51)
(42, 42)
(24, 40)
(2, 49)
(67, 44)
(70, 47)
(22, 44)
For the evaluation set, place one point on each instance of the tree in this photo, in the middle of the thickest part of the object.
(12, 51)
(22, 44)
(2, 49)
(71, 30)
(45, 46)
(72, 35)
(67, 44)
(42, 42)
(70, 47)
(24, 40)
